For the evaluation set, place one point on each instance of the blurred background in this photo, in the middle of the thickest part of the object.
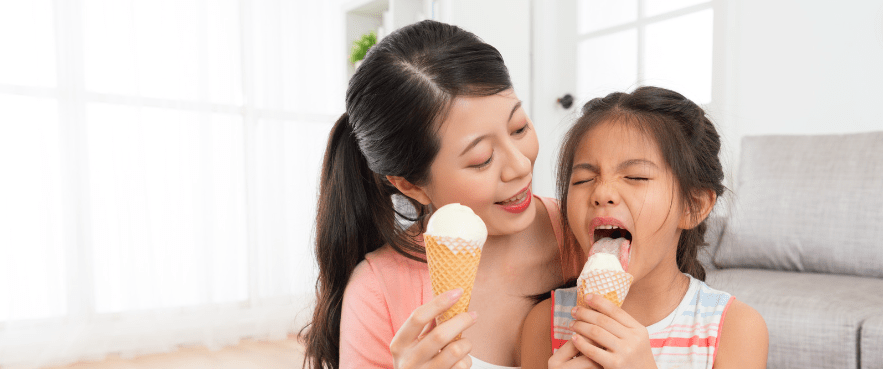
(159, 158)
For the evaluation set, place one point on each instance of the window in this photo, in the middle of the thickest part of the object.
(160, 167)
(666, 43)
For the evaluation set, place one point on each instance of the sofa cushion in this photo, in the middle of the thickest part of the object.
(807, 203)
(813, 319)
(872, 343)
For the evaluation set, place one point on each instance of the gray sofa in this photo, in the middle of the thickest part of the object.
(803, 244)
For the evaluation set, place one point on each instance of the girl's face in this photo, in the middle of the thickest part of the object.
(488, 147)
(620, 178)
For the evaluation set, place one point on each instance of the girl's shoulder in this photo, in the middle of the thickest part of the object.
(744, 339)
(710, 322)
(535, 345)
(546, 327)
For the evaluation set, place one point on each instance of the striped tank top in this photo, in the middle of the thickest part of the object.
(686, 338)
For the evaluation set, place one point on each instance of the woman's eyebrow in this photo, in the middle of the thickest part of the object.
(478, 139)
(473, 143)
(514, 108)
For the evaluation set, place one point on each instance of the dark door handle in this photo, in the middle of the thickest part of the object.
(566, 101)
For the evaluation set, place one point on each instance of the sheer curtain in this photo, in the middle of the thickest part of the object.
(159, 166)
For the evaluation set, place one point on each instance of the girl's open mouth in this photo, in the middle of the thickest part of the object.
(611, 231)
(614, 232)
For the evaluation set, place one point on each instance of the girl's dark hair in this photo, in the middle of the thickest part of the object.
(395, 104)
(687, 138)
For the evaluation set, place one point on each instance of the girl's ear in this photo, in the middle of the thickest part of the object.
(409, 189)
(705, 199)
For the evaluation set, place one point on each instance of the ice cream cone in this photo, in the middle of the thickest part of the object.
(453, 262)
(610, 284)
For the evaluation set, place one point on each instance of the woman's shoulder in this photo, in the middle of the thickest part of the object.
(386, 265)
(386, 276)
(386, 255)
(551, 208)
(570, 255)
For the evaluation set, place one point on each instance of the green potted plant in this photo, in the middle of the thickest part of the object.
(361, 46)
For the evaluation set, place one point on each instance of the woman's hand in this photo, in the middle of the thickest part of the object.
(421, 344)
(610, 337)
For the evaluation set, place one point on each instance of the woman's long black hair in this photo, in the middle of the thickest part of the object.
(394, 105)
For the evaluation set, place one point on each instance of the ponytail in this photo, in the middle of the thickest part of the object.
(355, 215)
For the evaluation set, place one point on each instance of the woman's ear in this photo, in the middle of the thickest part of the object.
(409, 189)
(706, 200)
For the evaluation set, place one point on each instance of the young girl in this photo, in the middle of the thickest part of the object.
(644, 166)
(431, 117)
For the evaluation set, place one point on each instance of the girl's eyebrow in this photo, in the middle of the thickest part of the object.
(633, 162)
(624, 165)
(585, 166)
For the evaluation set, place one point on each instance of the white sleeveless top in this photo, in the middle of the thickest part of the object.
(478, 364)
(686, 338)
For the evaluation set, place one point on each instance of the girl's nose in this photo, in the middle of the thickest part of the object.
(605, 194)
(518, 165)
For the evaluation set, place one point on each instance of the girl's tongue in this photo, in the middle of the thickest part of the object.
(620, 247)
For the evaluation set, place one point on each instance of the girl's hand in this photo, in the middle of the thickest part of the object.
(569, 357)
(421, 344)
(609, 336)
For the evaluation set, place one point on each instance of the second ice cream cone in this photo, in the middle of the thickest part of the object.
(610, 284)
(453, 263)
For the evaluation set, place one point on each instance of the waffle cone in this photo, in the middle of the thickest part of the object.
(449, 270)
(610, 284)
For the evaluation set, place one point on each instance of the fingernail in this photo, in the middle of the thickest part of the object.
(574, 337)
(573, 311)
(589, 298)
(455, 294)
(474, 315)
(570, 325)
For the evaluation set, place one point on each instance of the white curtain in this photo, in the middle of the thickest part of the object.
(159, 164)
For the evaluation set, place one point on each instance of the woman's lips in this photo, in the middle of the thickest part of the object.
(518, 206)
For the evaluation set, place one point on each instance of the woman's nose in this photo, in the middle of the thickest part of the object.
(518, 165)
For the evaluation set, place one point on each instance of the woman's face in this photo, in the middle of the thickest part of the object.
(620, 179)
(488, 147)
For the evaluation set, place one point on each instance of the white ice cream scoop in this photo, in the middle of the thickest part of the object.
(457, 221)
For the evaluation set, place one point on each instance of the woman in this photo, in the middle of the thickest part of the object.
(431, 115)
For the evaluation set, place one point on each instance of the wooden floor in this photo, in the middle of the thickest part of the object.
(248, 354)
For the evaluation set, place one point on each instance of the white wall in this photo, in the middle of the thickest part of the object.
(786, 67)
(505, 24)
(803, 67)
